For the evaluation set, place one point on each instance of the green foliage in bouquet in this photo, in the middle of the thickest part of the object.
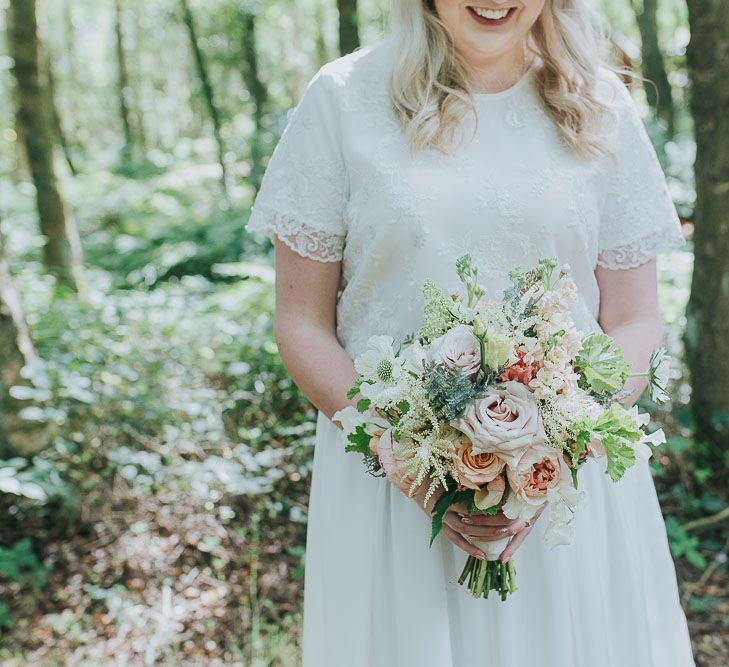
(618, 432)
(437, 315)
(452, 496)
(602, 369)
(449, 390)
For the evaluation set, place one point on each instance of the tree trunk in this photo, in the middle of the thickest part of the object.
(348, 26)
(123, 84)
(258, 93)
(207, 89)
(17, 435)
(322, 55)
(50, 82)
(707, 330)
(62, 249)
(658, 87)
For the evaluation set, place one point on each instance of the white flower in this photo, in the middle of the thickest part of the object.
(641, 448)
(659, 373)
(563, 503)
(350, 418)
(413, 358)
(380, 370)
(532, 350)
(458, 348)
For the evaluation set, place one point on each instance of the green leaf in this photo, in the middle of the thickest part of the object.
(403, 406)
(620, 455)
(603, 369)
(441, 507)
(360, 440)
(363, 404)
(354, 390)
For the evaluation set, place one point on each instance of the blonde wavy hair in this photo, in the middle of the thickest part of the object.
(429, 86)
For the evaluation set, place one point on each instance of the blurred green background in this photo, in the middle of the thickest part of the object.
(154, 455)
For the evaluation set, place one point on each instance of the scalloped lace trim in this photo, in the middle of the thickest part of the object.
(640, 251)
(303, 239)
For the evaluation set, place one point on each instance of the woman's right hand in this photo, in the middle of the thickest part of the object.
(458, 526)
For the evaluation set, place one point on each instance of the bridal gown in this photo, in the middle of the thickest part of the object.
(341, 185)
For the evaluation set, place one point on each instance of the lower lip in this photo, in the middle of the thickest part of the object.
(484, 21)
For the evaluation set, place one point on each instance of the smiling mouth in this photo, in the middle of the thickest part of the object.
(490, 16)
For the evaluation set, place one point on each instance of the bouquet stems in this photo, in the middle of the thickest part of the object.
(483, 576)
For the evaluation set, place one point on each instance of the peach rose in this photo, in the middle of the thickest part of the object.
(475, 470)
(504, 422)
(520, 371)
(537, 471)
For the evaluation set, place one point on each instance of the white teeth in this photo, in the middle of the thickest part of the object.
(491, 13)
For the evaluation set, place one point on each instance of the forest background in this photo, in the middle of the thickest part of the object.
(154, 456)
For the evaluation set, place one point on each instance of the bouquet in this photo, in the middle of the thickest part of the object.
(497, 404)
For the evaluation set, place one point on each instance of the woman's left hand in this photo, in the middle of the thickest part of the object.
(519, 537)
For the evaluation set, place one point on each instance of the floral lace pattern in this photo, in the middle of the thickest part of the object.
(303, 239)
(342, 185)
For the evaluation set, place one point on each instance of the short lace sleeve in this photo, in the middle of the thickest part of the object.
(638, 218)
(303, 190)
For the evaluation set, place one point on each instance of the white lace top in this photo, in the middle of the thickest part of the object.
(341, 185)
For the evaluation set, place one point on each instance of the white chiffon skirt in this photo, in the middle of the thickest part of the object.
(376, 596)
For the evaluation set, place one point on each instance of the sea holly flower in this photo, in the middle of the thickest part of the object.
(380, 370)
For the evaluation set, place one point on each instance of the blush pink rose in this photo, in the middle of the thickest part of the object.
(391, 461)
(595, 449)
(458, 348)
(475, 470)
(491, 494)
(504, 422)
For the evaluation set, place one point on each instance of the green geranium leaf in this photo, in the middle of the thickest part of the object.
(601, 368)
(620, 455)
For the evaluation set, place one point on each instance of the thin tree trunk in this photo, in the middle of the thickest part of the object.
(658, 87)
(207, 88)
(258, 93)
(60, 133)
(136, 91)
(17, 435)
(321, 46)
(707, 330)
(62, 249)
(348, 26)
(123, 84)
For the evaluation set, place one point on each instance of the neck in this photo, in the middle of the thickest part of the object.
(492, 75)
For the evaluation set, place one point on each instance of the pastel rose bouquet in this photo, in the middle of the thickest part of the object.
(497, 404)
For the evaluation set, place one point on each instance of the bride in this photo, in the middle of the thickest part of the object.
(491, 127)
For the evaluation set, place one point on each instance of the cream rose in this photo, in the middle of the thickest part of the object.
(504, 422)
(475, 470)
(458, 348)
(538, 470)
